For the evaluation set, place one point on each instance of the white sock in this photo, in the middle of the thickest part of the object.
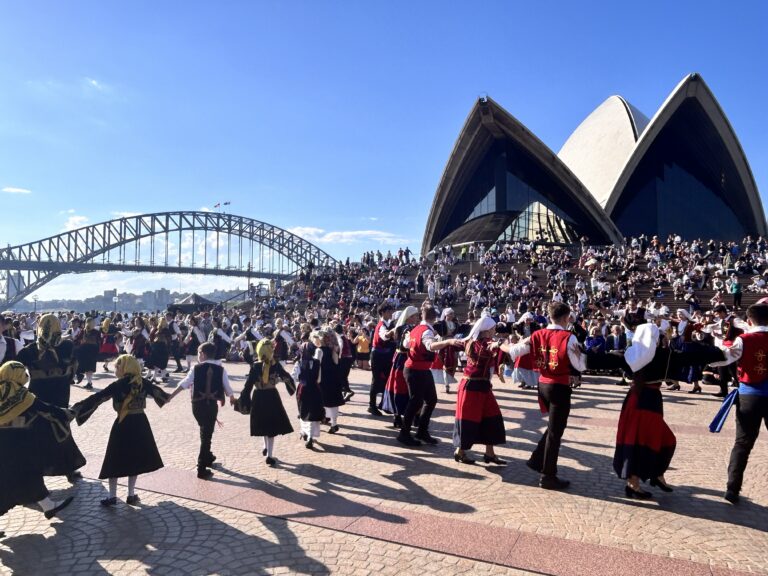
(333, 414)
(113, 487)
(264, 440)
(131, 485)
(270, 444)
(89, 377)
(46, 504)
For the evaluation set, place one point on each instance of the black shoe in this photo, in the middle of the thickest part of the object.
(211, 460)
(74, 477)
(109, 501)
(532, 466)
(53, 511)
(80, 378)
(720, 394)
(106, 368)
(178, 370)
(494, 460)
(637, 494)
(695, 390)
(333, 429)
(408, 440)
(303, 437)
(204, 473)
(674, 387)
(662, 485)
(732, 497)
(426, 438)
(310, 444)
(264, 452)
(374, 411)
(271, 461)
(553, 483)
(88, 386)
(462, 457)
(133, 500)
(397, 422)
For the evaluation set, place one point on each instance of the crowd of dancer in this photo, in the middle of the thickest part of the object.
(544, 334)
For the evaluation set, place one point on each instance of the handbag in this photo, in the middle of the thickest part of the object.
(722, 414)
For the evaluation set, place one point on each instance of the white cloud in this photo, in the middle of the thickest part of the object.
(372, 218)
(70, 211)
(15, 190)
(321, 236)
(74, 222)
(95, 85)
(205, 209)
(121, 214)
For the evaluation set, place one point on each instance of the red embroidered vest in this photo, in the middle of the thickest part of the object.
(753, 365)
(419, 358)
(549, 348)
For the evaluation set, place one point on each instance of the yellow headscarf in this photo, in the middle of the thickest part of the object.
(129, 367)
(15, 399)
(265, 351)
(48, 334)
(105, 325)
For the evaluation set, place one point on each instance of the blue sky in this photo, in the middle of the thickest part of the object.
(334, 118)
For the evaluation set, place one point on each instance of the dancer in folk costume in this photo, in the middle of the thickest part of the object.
(159, 349)
(330, 379)
(309, 397)
(88, 351)
(194, 339)
(29, 429)
(524, 373)
(645, 444)
(478, 417)
(446, 360)
(139, 341)
(382, 353)
(261, 399)
(108, 347)
(131, 449)
(395, 398)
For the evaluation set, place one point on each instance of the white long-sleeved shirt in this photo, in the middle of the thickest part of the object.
(189, 379)
(577, 358)
(428, 337)
(734, 351)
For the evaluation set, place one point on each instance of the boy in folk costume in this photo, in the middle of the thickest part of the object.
(261, 399)
(209, 385)
(131, 449)
(309, 397)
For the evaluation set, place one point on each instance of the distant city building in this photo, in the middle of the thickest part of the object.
(619, 174)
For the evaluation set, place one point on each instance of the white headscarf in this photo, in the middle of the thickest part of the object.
(684, 313)
(485, 323)
(643, 347)
(405, 314)
(445, 312)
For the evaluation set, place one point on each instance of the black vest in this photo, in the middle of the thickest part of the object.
(208, 383)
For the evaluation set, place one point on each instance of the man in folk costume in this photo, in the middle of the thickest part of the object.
(750, 351)
(728, 329)
(8, 346)
(422, 344)
(176, 338)
(382, 352)
(557, 355)
(210, 384)
(446, 361)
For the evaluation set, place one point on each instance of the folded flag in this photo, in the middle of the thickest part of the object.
(217, 204)
(722, 414)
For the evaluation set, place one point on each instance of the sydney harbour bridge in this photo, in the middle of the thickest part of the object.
(209, 243)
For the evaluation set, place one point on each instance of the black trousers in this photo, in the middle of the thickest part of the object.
(422, 399)
(751, 412)
(345, 367)
(381, 364)
(737, 300)
(557, 399)
(205, 412)
(726, 374)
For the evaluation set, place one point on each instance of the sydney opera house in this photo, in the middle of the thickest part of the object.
(619, 174)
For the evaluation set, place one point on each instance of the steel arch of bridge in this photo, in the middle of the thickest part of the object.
(26, 267)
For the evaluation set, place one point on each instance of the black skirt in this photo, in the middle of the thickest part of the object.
(55, 458)
(268, 417)
(21, 478)
(87, 355)
(158, 356)
(131, 449)
(310, 402)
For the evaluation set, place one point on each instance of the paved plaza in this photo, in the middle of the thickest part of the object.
(360, 503)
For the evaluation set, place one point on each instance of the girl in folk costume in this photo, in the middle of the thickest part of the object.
(644, 442)
(447, 359)
(283, 341)
(330, 378)
(395, 398)
(108, 345)
(131, 449)
(159, 348)
(346, 359)
(88, 351)
(261, 399)
(220, 339)
(686, 327)
(29, 429)
(308, 395)
(139, 344)
(192, 342)
(478, 417)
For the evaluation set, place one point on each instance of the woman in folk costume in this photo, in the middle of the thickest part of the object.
(395, 398)
(644, 442)
(686, 327)
(330, 378)
(478, 417)
(108, 348)
(131, 449)
(308, 394)
(88, 351)
(524, 372)
(447, 359)
(139, 343)
(28, 428)
(261, 399)
(159, 348)
(192, 342)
